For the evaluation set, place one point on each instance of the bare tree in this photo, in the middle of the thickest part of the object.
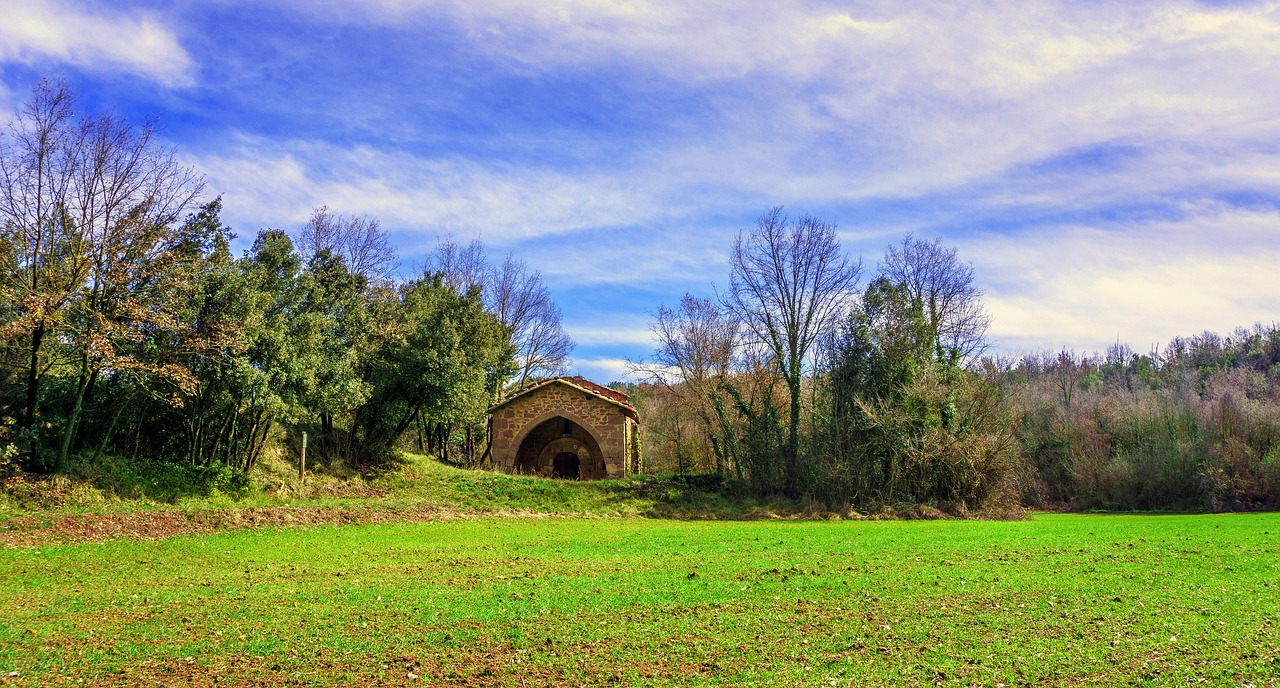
(360, 241)
(544, 347)
(788, 281)
(696, 343)
(517, 297)
(1067, 370)
(461, 267)
(522, 303)
(945, 287)
(513, 293)
(696, 340)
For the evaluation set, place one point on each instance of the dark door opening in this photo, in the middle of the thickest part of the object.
(565, 465)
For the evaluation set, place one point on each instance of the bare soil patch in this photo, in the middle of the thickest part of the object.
(34, 530)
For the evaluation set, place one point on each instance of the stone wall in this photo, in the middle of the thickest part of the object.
(604, 422)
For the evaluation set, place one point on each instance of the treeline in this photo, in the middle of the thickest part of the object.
(805, 379)
(1193, 426)
(128, 328)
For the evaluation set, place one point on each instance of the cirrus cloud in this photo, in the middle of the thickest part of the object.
(49, 31)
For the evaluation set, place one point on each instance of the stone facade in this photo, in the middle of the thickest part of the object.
(568, 427)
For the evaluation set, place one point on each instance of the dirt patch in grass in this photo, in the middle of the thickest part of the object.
(485, 664)
(34, 530)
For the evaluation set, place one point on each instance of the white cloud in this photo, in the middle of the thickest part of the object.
(1141, 283)
(279, 183)
(666, 252)
(864, 101)
(820, 103)
(917, 78)
(39, 30)
(627, 333)
(602, 370)
(960, 110)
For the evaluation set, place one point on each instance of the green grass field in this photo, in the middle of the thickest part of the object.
(1055, 600)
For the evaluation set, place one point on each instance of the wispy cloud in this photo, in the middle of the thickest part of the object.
(955, 92)
(279, 182)
(602, 369)
(1111, 168)
(39, 32)
(1141, 283)
(617, 333)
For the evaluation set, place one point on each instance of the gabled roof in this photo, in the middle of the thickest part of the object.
(581, 384)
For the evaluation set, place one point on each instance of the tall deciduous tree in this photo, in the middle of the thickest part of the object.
(696, 343)
(127, 197)
(40, 269)
(94, 201)
(360, 242)
(789, 281)
(945, 287)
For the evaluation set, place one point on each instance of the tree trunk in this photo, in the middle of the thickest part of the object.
(77, 408)
(793, 438)
(106, 437)
(418, 424)
(33, 390)
(404, 424)
(488, 440)
(256, 445)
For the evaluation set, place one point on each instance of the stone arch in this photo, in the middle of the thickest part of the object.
(563, 413)
(549, 440)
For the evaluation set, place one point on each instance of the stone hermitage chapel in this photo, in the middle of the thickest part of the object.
(566, 427)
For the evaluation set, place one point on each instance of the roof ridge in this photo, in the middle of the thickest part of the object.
(612, 396)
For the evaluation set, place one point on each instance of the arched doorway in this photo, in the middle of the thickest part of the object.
(565, 465)
(559, 447)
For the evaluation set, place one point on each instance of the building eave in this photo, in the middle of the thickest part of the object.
(627, 409)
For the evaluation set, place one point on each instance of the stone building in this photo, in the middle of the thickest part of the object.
(566, 427)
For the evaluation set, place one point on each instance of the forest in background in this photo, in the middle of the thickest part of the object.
(1195, 426)
(804, 378)
(132, 338)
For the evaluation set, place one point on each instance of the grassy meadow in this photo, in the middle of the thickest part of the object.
(1054, 600)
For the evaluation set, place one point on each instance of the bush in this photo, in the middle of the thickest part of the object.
(161, 481)
(943, 439)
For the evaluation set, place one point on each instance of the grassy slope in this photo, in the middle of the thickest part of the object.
(419, 482)
(1060, 599)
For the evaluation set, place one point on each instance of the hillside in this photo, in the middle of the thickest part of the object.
(104, 505)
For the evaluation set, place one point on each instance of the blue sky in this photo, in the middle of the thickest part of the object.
(1111, 169)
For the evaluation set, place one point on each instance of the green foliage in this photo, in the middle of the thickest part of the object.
(902, 423)
(161, 481)
(439, 365)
